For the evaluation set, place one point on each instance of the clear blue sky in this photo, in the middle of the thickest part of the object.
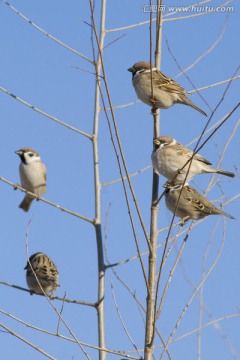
(44, 74)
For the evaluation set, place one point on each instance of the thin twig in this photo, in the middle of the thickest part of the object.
(208, 51)
(119, 353)
(109, 265)
(185, 74)
(120, 106)
(27, 342)
(210, 323)
(196, 149)
(131, 26)
(213, 85)
(118, 139)
(194, 331)
(122, 322)
(171, 274)
(16, 186)
(132, 293)
(125, 178)
(60, 122)
(196, 291)
(47, 34)
(127, 201)
(59, 319)
(112, 42)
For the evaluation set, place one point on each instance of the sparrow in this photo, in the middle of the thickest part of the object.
(32, 175)
(191, 205)
(169, 158)
(166, 92)
(46, 272)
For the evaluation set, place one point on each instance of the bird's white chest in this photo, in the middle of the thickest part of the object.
(164, 164)
(32, 175)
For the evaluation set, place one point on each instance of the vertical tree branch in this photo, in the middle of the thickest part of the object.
(97, 185)
(152, 260)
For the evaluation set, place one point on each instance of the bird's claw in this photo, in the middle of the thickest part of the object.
(184, 220)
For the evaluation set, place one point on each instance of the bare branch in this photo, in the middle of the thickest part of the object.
(64, 299)
(26, 342)
(129, 26)
(119, 353)
(16, 186)
(45, 114)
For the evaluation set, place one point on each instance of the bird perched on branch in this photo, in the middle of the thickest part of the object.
(32, 175)
(162, 92)
(191, 204)
(169, 158)
(41, 269)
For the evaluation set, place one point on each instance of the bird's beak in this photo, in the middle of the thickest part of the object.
(130, 69)
(19, 152)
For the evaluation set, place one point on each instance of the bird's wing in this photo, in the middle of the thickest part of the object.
(183, 151)
(202, 159)
(165, 83)
(198, 202)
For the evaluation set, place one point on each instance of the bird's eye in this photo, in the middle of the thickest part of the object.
(30, 154)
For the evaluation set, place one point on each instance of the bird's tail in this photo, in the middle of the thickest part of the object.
(190, 103)
(226, 214)
(26, 203)
(226, 173)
